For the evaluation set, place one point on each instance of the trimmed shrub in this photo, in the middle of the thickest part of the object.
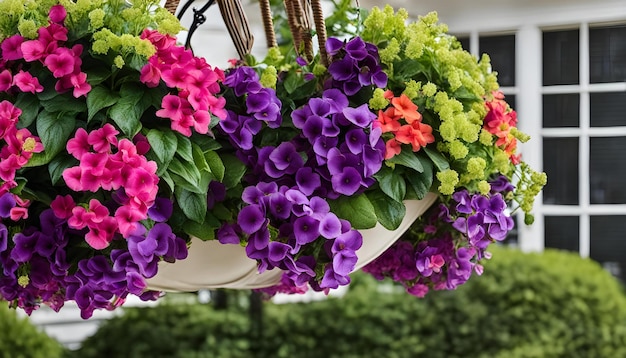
(553, 304)
(168, 330)
(21, 339)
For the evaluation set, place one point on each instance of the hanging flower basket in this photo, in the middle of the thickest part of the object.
(129, 166)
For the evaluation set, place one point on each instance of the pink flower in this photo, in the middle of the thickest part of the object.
(8, 167)
(78, 145)
(100, 212)
(27, 83)
(33, 50)
(11, 48)
(61, 62)
(128, 220)
(6, 80)
(57, 14)
(77, 220)
(159, 40)
(52, 33)
(140, 181)
(102, 139)
(101, 235)
(62, 206)
(202, 119)
(18, 213)
(9, 115)
(72, 177)
(150, 73)
(79, 82)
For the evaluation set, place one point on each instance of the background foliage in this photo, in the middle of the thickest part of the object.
(553, 304)
(20, 339)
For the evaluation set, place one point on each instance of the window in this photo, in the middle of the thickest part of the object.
(584, 138)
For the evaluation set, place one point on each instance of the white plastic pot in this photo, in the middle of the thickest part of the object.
(213, 265)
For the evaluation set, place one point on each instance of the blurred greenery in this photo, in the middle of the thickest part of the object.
(553, 304)
(21, 339)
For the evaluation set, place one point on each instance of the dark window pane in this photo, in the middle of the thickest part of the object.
(607, 54)
(561, 110)
(560, 162)
(501, 50)
(512, 237)
(608, 243)
(465, 42)
(511, 100)
(608, 109)
(560, 57)
(607, 170)
(561, 232)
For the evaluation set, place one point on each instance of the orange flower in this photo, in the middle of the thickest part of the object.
(406, 108)
(388, 120)
(393, 147)
(417, 134)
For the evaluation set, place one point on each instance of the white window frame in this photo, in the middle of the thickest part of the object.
(529, 91)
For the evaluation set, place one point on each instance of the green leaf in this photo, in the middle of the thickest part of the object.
(126, 112)
(205, 141)
(292, 82)
(64, 103)
(391, 183)
(183, 147)
(356, 209)
(163, 143)
(408, 159)
(199, 159)
(438, 159)
(234, 170)
(187, 172)
(193, 205)
(408, 68)
(388, 211)
(215, 164)
(58, 165)
(98, 98)
(97, 72)
(29, 104)
(201, 231)
(168, 180)
(53, 129)
(420, 183)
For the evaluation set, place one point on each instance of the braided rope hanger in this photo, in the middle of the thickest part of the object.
(298, 15)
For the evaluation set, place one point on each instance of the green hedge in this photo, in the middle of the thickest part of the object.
(553, 304)
(21, 339)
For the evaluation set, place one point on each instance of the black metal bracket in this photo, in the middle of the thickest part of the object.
(198, 18)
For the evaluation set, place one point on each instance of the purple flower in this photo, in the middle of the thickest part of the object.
(258, 101)
(330, 226)
(4, 238)
(347, 182)
(336, 99)
(360, 116)
(501, 185)
(286, 159)
(7, 202)
(280, 206)
(25, 243)
(306, 229)
(161, 210)
(344, 69)
(216, 193)
(333, 46)
(307, 180)
(251, 218)
(243, 80)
